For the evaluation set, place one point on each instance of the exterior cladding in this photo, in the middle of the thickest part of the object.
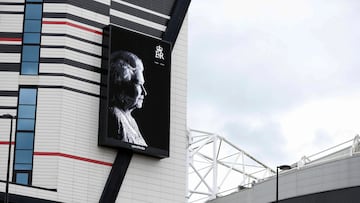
(68, 165)
(334, 181)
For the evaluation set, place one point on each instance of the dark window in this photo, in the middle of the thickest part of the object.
(29, 68)
(31, 53)
(27, 96)
(23, 156)
(22, 178)
(32, 26)
(31, 37)
(24, 140)
(25, 124)
(26, 111)
(25, 131)
(33, 11)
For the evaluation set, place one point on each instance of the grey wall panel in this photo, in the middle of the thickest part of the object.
(161, 6)
(138, 13)
(88, 5)
(348, 195)
(134, 26)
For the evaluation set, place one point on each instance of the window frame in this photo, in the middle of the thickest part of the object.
(31, 102)
(31, 37)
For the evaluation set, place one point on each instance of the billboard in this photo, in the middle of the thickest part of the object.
(135, 92)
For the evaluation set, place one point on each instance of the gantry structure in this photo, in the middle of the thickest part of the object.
(217, 167)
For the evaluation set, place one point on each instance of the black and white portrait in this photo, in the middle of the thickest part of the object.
(135, 92)
(127, 94)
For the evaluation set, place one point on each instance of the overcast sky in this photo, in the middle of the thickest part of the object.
(279, 78)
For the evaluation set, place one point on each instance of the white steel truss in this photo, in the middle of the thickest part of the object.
(217, 167)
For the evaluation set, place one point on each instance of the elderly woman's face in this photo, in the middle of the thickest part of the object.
(133, 90)
(139, 93)
(129, 83)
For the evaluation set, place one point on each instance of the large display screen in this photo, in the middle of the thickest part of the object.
(135, 92)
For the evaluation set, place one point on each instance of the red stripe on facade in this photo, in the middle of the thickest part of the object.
(6, 143)
(72, 157)
(72, 25)
(10, 39)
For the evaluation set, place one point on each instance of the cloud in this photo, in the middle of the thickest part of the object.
(263, 140)
(332, 120)
(264, 70)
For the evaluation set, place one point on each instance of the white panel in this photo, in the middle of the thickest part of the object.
(45, 171)
(54, 8)
(53, 40)
(12, 8)
(107, 2)
(81, 181)
(65, 29)
(8, 111)
(52, 52)
(10, 42)
(83, 58)
(70, 42)
(70, 54)
(32, 192)
(8, 101)
(88, 14)
(48, 133)
(74, 23)
(9, 80)
(91, 48)
(40, 80)
(11, 22)
(70, 70)
(67, 8)
(80, 127)
(12, 1)
(48, 120)
(10, 57)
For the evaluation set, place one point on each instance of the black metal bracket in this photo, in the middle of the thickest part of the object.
(116, 176)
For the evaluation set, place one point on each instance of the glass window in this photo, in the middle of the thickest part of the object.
(33, 11)
(25, 124)
(32, 38)
(32, 26)
(23, 156)
(23, 167)
(24, 140)
(26, 111)
(34, 0)
(27, 96)
(29, 68)
(31, 53)
(25, 132)
(22, 178)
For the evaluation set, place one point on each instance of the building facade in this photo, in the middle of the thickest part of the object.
(328, 179)
(51, 54)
